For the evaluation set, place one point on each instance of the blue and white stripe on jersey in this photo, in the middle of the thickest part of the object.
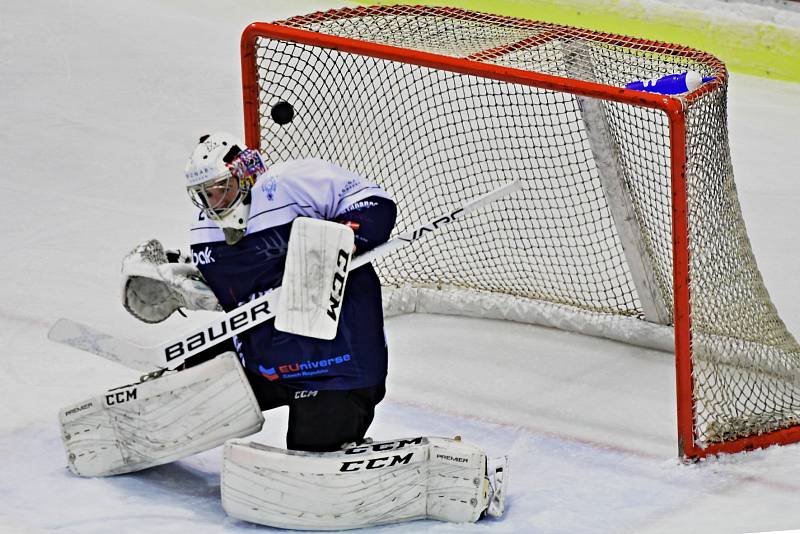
(298, 188)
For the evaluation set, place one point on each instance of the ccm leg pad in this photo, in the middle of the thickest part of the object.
(160, 419)
(374, 484)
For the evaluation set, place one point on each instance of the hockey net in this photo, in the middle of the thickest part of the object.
(629, 225)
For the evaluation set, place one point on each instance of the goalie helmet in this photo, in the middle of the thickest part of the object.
(219, 176)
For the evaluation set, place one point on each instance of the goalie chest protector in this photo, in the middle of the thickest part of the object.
(356, 357)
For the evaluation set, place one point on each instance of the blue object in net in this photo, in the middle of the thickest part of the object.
(671, 84)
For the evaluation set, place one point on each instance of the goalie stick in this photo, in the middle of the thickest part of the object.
(171, 354)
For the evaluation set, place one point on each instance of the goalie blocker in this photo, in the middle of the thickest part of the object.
(314, 278)
(361, 486)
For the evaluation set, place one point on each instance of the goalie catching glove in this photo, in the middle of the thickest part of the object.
(155, 285)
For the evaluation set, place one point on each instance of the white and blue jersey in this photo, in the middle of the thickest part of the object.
(356, 357)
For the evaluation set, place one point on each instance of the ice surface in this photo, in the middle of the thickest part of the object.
(100, 103)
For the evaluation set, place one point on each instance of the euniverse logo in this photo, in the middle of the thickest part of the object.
(302, 369)
(202, 257)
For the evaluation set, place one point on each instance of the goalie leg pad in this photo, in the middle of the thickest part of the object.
(374, 484)
(161, 419)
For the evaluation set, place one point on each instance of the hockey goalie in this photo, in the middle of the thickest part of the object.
(295, 225)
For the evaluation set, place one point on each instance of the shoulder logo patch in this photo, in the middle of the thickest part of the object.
(269, 187)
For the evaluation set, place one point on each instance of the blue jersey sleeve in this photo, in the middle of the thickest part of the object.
(372, 220)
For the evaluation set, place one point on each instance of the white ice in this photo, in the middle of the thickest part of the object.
(99, 103)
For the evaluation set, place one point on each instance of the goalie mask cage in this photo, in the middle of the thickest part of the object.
(628, 227)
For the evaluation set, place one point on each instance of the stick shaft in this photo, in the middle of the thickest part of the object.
(173, 353)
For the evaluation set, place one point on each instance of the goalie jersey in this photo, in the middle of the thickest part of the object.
(356, 357)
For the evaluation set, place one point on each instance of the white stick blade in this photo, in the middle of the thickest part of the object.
(84, 337)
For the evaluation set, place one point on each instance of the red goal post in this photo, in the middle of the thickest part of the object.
(401, 53)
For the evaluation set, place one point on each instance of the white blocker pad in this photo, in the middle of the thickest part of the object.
(161, 419)
(317, 264)
(375, 484)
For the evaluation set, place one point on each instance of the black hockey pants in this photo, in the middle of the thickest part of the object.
(319, 420)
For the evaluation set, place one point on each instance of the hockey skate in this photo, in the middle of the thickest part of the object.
(497, 475)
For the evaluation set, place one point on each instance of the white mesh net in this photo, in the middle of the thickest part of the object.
(433, 138)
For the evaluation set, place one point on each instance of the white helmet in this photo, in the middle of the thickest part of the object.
(219, 176)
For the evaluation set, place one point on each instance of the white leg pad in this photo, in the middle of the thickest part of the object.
(375, 484)
(161, 419)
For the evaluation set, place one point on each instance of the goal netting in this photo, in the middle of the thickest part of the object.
(629, 225)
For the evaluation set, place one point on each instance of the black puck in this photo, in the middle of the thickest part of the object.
(282, 112)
